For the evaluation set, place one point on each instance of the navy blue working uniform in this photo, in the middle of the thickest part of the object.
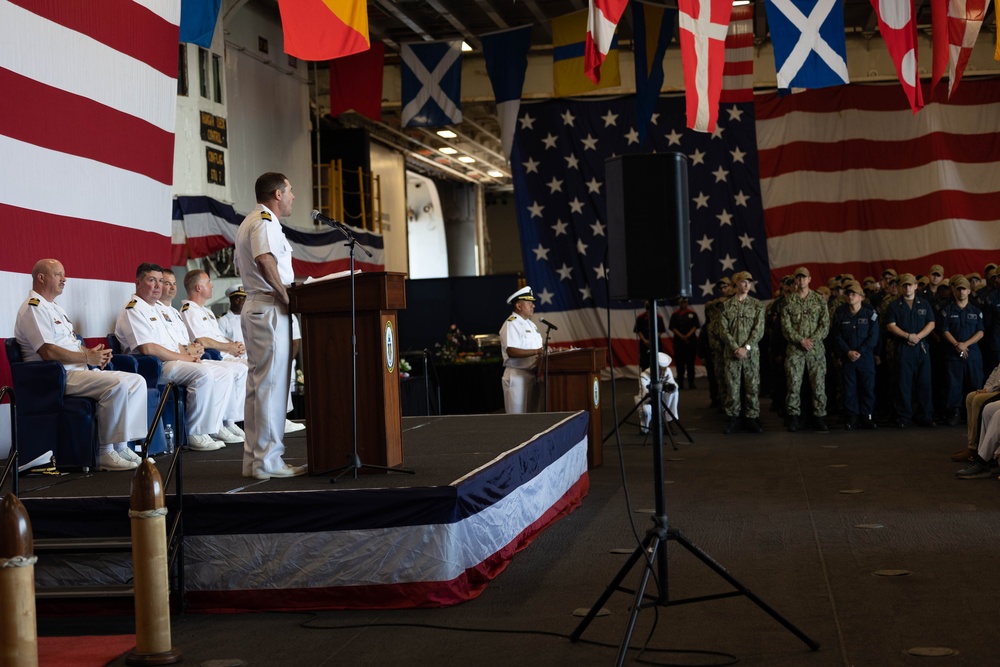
(913, 362)
(991, 322)
(965, 374)
(857, 332)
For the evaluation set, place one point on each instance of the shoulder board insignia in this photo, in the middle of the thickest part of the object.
(185, 307)
(131, 304)
(33, 301)
(264, 215)
(512, 318)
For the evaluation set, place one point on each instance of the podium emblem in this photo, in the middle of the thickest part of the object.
(597, 391)
(390, 348)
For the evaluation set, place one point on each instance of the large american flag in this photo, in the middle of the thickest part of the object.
(854, 182)
(558, 169)
(87, 138)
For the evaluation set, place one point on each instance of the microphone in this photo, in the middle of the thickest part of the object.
(549, 324)
(319, 217)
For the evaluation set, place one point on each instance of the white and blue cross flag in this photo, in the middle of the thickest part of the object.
(432, 84)
(810, 50)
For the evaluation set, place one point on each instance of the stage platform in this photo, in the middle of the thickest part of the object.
(484, 487)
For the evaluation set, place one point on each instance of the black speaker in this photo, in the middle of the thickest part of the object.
(649, 231)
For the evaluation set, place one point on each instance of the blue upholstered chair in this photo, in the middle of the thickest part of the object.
(47, 419)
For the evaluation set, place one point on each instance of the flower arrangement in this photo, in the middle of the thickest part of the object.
(453, 343)
(404, 368)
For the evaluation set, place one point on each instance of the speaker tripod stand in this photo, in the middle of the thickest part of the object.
(648, 398)
(652, 552)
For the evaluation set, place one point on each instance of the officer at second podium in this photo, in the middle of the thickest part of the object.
(521, 346)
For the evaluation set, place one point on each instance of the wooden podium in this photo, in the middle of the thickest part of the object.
(575, 384)
(326, 345)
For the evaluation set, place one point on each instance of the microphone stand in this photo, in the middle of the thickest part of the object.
(548, 331)
(354, 462)
(427, 385)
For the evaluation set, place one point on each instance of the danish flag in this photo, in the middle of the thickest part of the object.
(703, 28)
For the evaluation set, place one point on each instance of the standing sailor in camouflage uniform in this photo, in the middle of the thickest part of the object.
(805, 322)
(741, 326)
(714, 361)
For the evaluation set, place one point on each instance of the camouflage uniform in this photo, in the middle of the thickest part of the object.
(805, 318)
(741, 324)
(713, 312)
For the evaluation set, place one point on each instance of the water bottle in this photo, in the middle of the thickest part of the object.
(168, 435)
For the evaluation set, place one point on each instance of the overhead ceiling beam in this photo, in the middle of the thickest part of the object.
(492, 14)
(391, 7)
(540, 16)
(471, 39)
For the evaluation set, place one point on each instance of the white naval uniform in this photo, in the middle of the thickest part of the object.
(202, 323)
(208, 387)
(229, 324)
(519, 385)
(670, 400)
(121, 397)
(989, 439)
(267, 336)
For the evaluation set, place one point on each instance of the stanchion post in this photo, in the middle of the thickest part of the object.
(18, 628)
(150, 563)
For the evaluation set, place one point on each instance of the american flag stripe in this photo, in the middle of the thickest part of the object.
(737, 74)
(87, 142)
(852, 181)
(139, 30)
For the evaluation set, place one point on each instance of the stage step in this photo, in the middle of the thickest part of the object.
(79, 545)
(85, 592)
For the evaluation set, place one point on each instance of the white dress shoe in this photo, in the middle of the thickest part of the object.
(284, 471)
(227, 436)
(113, 461)
(129, 455)
(237, 431)
(204, 443)
(292, 427)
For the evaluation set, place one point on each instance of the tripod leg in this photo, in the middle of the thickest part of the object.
(679, 425)
(656, 543)
(677, 536)
(640, 552)
(625, 418)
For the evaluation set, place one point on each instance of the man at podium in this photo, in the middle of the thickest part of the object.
(521, 346)
(264, 259)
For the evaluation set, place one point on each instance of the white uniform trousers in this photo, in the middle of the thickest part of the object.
(208, 389)
(519, 391)
(236, 369)
(670, 402)
(267, 336)
(121, 402)
(989, 440)
(974, 403)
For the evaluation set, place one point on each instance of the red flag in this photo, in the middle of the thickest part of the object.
(602, 21)
(897, 24)
(852, 183)
(703, 27)
(956, 26)
(356, 83)
(323, 29)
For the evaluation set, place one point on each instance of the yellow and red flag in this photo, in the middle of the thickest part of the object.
(324, 29)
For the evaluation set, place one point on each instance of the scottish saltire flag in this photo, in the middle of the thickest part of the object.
(652, 29)
(506, 56)
(559, 185)
(322, 30)
(569, 38)
(198, 19)
(432, 84)
(602, 21)
(704, 24)
(810, 50)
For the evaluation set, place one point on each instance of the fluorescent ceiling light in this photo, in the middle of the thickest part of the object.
(466, 159)
(446, 134)
(448, 150)
(466, 47)
(737, 3)
(493, 173)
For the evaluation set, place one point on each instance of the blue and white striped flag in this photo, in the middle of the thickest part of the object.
(432, 84)
(506, 55)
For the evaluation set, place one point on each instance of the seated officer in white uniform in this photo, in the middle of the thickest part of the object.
(141, 328)
(202, 325)
(44, 331)
(230, 433)
(521, 346)
(669, 397)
